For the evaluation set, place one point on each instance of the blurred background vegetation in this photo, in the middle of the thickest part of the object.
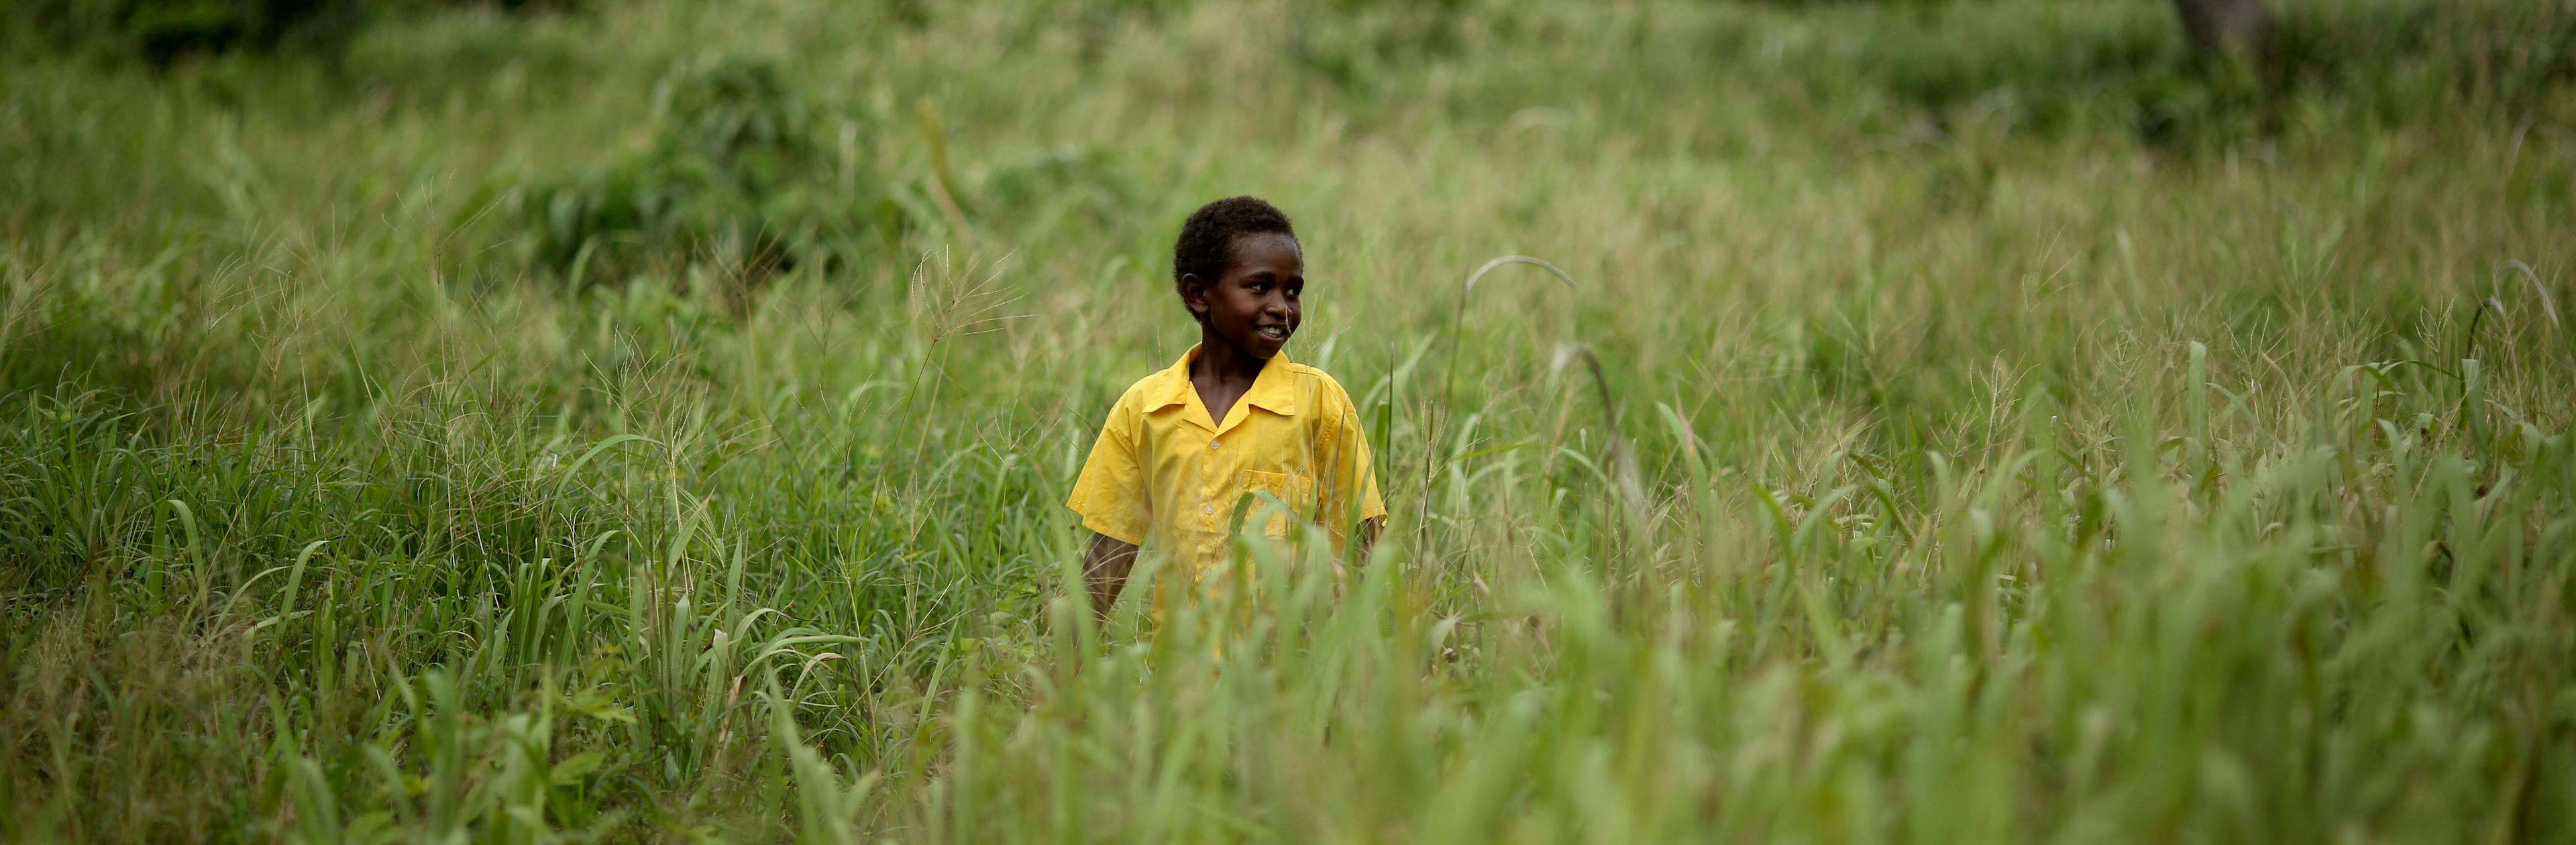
(518, 421)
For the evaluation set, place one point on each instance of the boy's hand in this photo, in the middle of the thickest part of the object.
(1104, 571)
(1364, 541)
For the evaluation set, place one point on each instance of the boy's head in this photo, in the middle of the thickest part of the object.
(1240, 271)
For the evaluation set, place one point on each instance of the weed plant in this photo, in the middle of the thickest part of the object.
(1925, 448)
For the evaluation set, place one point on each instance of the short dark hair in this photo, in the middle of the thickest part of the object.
(1206, 244)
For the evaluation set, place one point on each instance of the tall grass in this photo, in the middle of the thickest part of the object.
(1938, 447)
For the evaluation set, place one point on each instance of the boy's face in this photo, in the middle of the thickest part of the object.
(1252, 306)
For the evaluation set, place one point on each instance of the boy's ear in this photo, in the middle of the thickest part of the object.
(1194, 294)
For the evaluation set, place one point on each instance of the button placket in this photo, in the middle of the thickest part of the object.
(1207, 493)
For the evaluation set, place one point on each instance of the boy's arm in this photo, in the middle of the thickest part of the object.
(1110, 497)
(1104, 570)
(1353, 490)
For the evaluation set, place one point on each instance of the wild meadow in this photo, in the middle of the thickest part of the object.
(650, 421)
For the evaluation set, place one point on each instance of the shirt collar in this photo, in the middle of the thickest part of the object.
(1274, 390)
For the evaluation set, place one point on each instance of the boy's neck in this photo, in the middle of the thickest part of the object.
(1223, 362)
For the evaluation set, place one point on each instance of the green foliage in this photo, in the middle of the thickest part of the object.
(2411, 62)
(163, 31)
(1357, 43)
(749, 173)
(741, 163)
(2001, 69)
(1919, 453)
(2018, 70)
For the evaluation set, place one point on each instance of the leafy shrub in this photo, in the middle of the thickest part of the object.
(2404, 60)
(162, 31)
(2027, 68)
(741, 165)
(2039, 68)
(748, 172)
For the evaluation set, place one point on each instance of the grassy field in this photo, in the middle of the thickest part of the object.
(1965, 421)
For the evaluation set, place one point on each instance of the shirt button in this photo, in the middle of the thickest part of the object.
(1214, 443)
(1207, 508)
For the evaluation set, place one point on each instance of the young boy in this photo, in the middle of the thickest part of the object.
(1231, 418)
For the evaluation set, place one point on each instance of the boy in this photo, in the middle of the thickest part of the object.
(1231, 418)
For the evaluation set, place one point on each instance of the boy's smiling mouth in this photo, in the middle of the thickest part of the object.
(1277, 333)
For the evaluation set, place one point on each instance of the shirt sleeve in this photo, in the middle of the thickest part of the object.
(1350, 488)
(1110, 493)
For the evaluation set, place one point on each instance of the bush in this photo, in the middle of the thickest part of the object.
(739, 165)
(163, 31)
(749, 173)
(2038, 69)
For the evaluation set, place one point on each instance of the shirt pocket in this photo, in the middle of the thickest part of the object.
(1296, 492)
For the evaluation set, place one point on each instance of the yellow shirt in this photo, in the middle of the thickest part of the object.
(1166, 476)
